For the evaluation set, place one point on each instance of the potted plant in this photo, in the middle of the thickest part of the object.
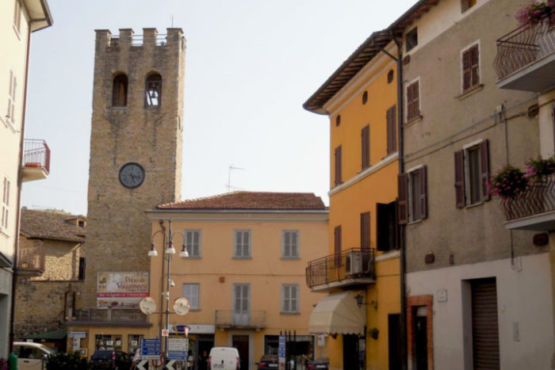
(534, 12)
(509, 183)
(539, 170)
(374, 332)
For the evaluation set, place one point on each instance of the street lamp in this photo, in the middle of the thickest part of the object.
(169, 252)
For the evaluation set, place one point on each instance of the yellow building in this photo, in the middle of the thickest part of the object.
(244, 274)
(361, 272)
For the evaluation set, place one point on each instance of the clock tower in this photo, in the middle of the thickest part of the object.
(135, 153)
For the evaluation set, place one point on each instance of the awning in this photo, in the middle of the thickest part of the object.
(337, 314)
(52, 335)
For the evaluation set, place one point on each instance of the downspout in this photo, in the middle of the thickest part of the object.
(19, 184)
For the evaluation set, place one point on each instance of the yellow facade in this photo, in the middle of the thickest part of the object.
(217, 270)
(364, 100)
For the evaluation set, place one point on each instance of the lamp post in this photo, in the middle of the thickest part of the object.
(169, 252)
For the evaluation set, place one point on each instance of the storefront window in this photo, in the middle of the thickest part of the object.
(108, 342)
(133, 343)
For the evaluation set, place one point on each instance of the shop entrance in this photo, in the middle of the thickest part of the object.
(241, 342)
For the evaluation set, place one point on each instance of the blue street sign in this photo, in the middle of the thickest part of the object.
(150, 348)
(281, 349)
(178, 348)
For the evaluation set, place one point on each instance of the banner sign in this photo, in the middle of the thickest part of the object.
(150, 349)
(121, 289)
(178, 348)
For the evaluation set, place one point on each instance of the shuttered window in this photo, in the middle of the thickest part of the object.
(413, 195)
(485, 329)
(17, 16)
(472, 174)
(290, 298)
(191, 292)
(365, 230)
(413, 101)
(337, 245)
(192, 242)
(5, 203)
(10, 114)
(471, 72)
(338, 176)
(391, 130)
(242, 247)
(290, 244)
(365, 146)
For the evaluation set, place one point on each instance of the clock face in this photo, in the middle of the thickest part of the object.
(131, 175)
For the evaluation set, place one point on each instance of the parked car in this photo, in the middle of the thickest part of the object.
(122, 359)
(268, 362)
(323, 364)
(224, 358)
(31, 356)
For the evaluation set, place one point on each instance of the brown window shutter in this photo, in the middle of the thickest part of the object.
(403, 188)
(459, 179)
(365, 230)
(423, 192)
(484, 168)
(337, 245)
(474, 53)
(391, 130)
(365, 146)
(338, 165)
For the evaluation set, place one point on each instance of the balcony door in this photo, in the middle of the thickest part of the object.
(241, 304)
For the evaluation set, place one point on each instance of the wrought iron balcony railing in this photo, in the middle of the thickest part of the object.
(31, 258)
(229, 319)
(350, 267)
(36, 159)
(523, 46)
(114, 315)
(538, 199)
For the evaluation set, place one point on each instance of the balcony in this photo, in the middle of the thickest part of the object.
(534, 209)
(109, 317)
(526, 58)
(353, 267)
(31, 258)
(228, 319)
(36, 160)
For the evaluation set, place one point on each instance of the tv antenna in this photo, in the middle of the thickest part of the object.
(231, 168)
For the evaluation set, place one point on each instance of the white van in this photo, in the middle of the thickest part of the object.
(225, 358)
(31, 356)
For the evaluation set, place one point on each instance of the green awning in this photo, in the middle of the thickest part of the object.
(56, 334)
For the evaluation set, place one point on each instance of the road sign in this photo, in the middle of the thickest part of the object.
(150, 349)
(281, 352)
(165, 332)
(178, 348)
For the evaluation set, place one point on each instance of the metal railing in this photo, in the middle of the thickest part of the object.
(350, 264)
(538, 198)
(523, 46)
(36, 153)
(109, 315)
(231, 319)
(31, 257)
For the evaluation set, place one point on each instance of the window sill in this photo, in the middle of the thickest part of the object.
(9, 124)
(193, 257)
(17, 33)
(290, 313)
(473, 205)
(4, 233)
(291, 258)
(118, 107)
(414, 222)
(470, 91)
(242, 258)
(412, 120)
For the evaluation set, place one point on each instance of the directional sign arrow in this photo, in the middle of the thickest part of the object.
(169, 365)
(140, 365)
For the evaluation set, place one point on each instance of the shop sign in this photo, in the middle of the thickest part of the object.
(122, 289)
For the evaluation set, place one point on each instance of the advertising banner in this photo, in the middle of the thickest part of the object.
(121, 289)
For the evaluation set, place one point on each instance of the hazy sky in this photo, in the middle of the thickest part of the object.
(250, 65)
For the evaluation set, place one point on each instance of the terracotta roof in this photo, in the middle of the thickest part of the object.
(246, 200)
(364, 54)
(51, 225)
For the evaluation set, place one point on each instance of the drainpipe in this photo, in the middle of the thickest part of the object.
(18, 205)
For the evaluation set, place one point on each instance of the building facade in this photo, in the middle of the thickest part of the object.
(20, 160)
(244, 274)
(479, 292)
(362, 269)
(135, 164)
(51, 270)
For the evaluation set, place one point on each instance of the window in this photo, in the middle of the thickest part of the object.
(472, 174)
(119, 91)
(387, 226)
(471, 70)
(413, 101)
(242, 245)
(338, 120)
(10, 115)
(391, 130)
(153, 91)
(191, 292)
(390, 76)
(290, 298)
(365, 230)
(413, 195)
(337, 245)
(241, 303)
(17, 16)
(411, 39)
(365, 147)
(82, 267)
(134, 343)
(5, 203)
(290, 244)
(338, 176)
(365, 97)
(467, 4)
(191, 239)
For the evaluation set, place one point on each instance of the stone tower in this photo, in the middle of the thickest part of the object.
(136, 141)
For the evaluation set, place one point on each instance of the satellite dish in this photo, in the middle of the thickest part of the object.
(147, 305)
(181, 306)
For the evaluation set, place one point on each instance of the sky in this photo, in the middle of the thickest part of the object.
(249, 67)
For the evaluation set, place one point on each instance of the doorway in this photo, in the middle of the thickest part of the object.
(421, 337)
(394, 333)
(350, 352)
(241, 342)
